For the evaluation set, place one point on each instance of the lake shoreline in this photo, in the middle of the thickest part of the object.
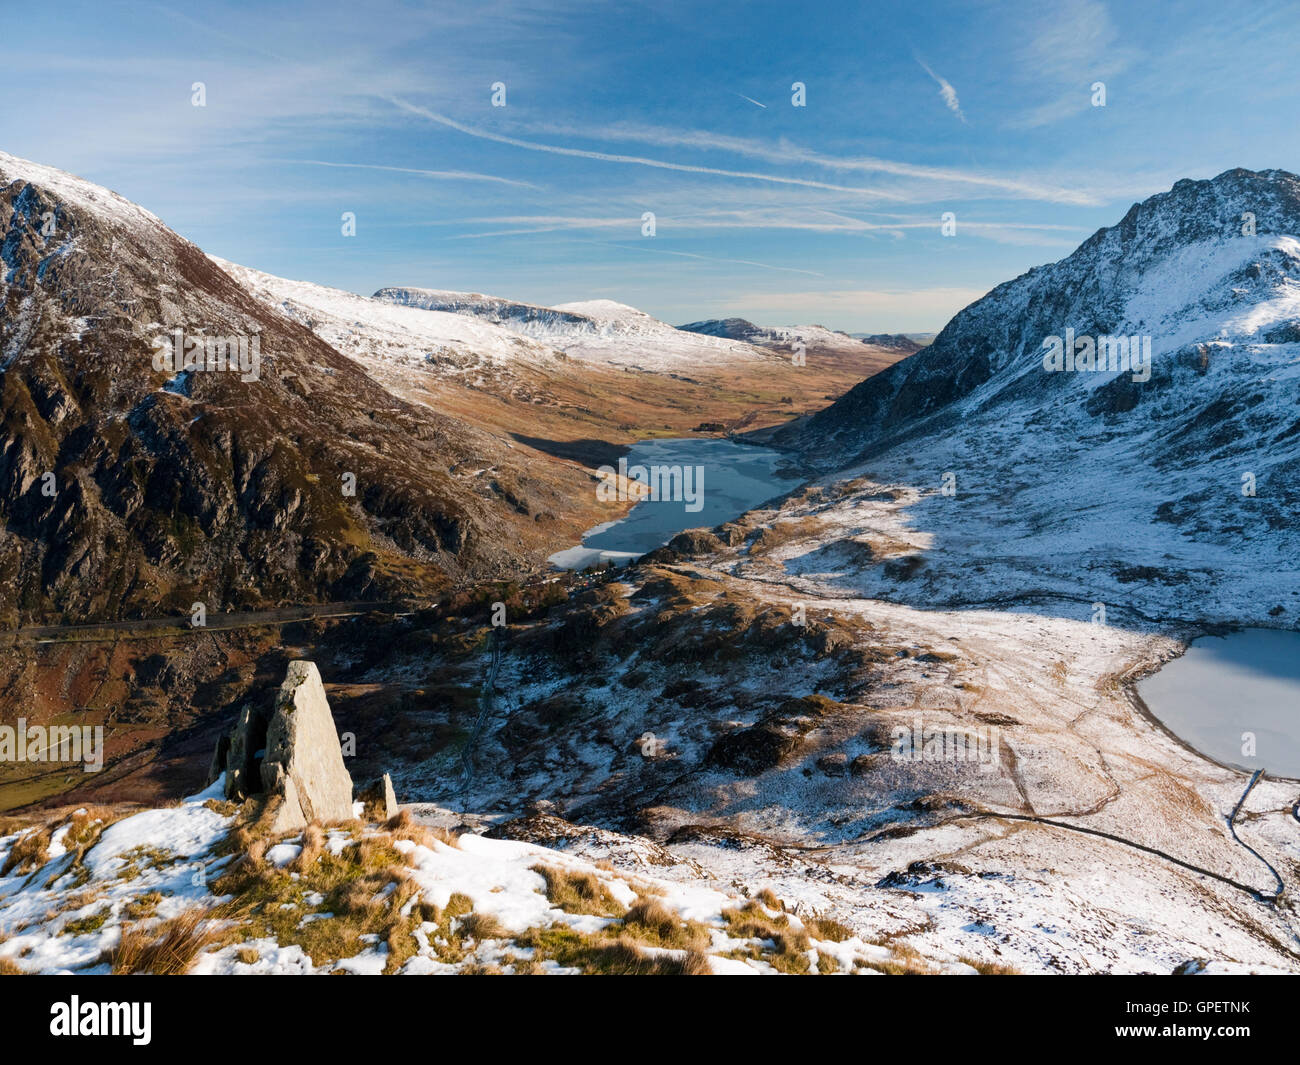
(1184, 733)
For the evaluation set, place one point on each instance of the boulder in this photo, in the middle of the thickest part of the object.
(290, 756)
(239, 754)
(304, 762)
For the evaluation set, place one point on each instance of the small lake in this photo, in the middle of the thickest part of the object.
(1226, 686)
(718, 480)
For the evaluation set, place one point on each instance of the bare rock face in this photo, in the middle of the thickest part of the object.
(303, 767)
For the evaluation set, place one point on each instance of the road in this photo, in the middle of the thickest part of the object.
(95, 632)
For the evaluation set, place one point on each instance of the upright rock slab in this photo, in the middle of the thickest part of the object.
(380, 799)
(303, 770)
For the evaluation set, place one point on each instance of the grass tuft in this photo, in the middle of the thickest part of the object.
(168, 949)
(578, 892)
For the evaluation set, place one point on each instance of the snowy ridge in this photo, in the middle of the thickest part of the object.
(376, 331)
(105, 203)
(597, 330)
(812, 336)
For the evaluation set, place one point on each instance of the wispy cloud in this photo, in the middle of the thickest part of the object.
(785, 152)
(446, 175)
(1065, 51)
(660, 164)
(716, 259)
(813, 220)
(946, 90)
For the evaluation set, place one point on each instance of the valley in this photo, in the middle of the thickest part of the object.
(959, 543)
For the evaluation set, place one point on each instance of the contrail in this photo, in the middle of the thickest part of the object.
(750, 99)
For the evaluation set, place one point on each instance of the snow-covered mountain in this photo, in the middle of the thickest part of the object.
(782, 338)
(1174, 484)
(910, 341)
(602, 331)
(375, 331)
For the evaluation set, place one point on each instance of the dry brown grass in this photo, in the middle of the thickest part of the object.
(168, 949)
(29, 852)
(624, 957)
(790, 945)
(481, 927)
(751, 921)
(650, 922)
(906, 961)
(365, 888)
(990, 968)
(10, 968)
(620, 955)
(86, 826)
(578, 892)
(825, 928)
(404, 826)
(142, 906)
(313, 844)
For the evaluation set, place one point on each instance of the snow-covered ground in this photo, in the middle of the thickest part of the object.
(69, 912)
(1093, 842)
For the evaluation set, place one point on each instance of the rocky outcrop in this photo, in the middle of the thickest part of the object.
(291, 756)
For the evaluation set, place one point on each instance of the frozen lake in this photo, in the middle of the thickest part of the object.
(719, 480)
(1225, 690)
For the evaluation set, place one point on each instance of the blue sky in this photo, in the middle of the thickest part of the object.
(827, 213)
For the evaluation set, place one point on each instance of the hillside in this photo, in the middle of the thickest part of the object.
(128, 489)
(1183, 467)
(599, 331)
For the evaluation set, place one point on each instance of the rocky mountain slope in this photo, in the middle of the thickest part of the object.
(130, 485)
(1169, 488)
